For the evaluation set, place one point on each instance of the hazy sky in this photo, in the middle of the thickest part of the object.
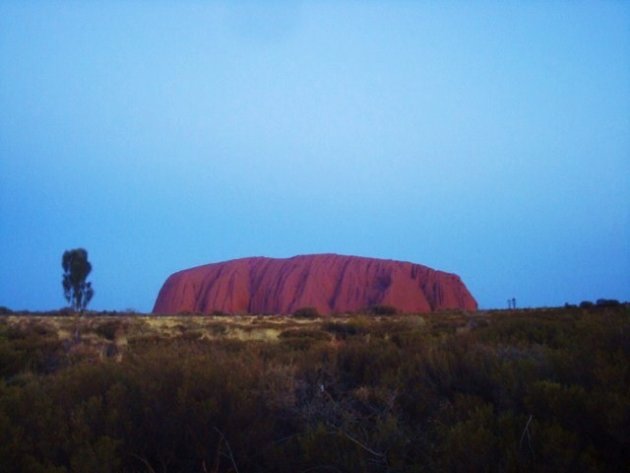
(489, 139)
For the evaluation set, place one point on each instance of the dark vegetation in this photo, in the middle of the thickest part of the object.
(76, 268)
(514, 391)
(382, 310)
(306, 313)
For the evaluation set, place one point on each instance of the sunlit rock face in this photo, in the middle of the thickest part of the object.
(330, 283)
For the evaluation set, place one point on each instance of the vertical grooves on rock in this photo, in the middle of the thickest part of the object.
(332, 303)
(332, 283)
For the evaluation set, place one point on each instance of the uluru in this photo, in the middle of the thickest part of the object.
(328, 282)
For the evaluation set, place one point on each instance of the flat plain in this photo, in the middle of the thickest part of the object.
(520, 390)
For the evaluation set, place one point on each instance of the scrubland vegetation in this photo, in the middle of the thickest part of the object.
(514, 391)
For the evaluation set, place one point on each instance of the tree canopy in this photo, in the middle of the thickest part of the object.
(76, 268)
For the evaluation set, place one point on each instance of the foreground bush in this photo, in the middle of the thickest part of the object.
(306, 313)
(537, 391)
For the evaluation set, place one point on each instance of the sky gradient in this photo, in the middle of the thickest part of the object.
(489, 139)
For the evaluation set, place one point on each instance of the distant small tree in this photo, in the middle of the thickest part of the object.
(76, 289)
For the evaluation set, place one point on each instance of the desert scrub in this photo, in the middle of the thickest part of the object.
(109, 328)
(306, 313)
(351, 394)
(313, 334)
(344, 329)
(218, 329)
(381, 310)
(302, 338)
(29, 345)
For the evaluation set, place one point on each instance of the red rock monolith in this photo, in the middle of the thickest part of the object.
(330, 283)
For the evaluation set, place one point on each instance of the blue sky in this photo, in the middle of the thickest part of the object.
(489, 139)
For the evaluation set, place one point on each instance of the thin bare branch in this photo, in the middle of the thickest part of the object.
(229, 450)
(362, 445)
(528, 434)
(145, 461)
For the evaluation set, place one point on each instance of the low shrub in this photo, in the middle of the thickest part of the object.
(108, 329)
(607, 303)
(306, 313)
(305, 333)
(541, 391)
(382, 310)
(343, 329)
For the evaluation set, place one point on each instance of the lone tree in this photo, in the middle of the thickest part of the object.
(76, 268)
